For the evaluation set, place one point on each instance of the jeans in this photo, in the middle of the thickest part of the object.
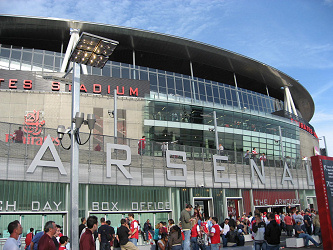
(134, 241)
(225, 241)
(260, 246)
(307, 238)
(194, 243)
(179, 247)
(214, 246)
(105, 245)
(273, 247)
(187, 243)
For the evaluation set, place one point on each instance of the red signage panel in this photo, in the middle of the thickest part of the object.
(322, 167)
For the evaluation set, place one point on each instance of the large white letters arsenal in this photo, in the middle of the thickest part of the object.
(170, 174)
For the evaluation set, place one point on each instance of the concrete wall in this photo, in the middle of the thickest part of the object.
(57, 109)
(308, 142)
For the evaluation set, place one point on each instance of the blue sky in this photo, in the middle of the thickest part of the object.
(294, 36)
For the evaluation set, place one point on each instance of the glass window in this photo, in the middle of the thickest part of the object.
(187, 85)
(222, 96)
(125, 73)
(96, 71)
(234, 97)
(216, 95)
(16, 55)
(4, 53)
(58, 62)
(228, 96)
(209, 90)
(143, 75)
(115, 71)
(38, 59)
(48, 61)
(26, 57)
(171, 85)
(106, 71)
(202, 91)
(161, 81)
(179, 86)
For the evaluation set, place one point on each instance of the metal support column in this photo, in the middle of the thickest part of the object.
(281, 146)
(74, 181)
(216, 133)
(237, 94)
(115, 115)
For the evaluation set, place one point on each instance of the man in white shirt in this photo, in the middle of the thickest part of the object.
(15, 230)
(225, 230)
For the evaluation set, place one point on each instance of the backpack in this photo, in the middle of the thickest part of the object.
(108, 236)
(240, 239)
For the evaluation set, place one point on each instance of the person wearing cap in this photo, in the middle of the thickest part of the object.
(299, 233)
(185, 219)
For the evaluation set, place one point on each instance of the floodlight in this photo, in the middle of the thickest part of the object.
(91, 121)
(79, 119)
(61, 131)
(92, 50)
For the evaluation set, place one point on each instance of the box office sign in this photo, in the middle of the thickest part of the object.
(59, 206)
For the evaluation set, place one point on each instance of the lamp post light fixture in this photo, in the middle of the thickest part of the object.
(90, 50)
(324, 139)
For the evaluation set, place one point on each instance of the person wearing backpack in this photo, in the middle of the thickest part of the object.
(105, 235)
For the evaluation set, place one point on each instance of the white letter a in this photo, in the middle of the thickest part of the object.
(38, 162)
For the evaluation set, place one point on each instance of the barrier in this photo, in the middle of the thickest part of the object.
(299, 242)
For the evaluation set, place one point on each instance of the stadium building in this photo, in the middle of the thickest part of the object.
(184, 96)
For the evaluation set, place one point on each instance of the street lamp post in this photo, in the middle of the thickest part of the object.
(324, 139)
(90, 50)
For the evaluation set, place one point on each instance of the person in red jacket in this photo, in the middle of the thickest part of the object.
(87, 241)
(29, 237)
(142, 145)
(215, 238)
(134, 227)
(195, 234)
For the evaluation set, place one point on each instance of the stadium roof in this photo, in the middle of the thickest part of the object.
(160, 51)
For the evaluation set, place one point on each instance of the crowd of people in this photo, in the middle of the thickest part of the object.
(192, 232)
(49, 239)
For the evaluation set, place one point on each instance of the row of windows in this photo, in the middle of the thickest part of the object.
(230, 142)
(163, 83)
(162, 111)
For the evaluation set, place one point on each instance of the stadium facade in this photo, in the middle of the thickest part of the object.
(168, 89)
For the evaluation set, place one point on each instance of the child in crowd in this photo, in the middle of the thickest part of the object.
(63, 242)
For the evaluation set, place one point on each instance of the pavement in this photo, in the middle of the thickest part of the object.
(249, 246)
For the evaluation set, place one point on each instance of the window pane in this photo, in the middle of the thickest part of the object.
(179, 87)
(115, 72)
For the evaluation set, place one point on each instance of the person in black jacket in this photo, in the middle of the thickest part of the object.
(272, 233)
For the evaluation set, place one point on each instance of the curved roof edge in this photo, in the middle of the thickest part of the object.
(51, 33)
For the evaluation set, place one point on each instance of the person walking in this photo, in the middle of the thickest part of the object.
(289, 224)
(87, 241)
(123, 234)
(258, 229)
(28, 238)
(272, 233)
(15, 230)
(185, 218)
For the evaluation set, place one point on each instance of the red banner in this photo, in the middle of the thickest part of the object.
(322, 168)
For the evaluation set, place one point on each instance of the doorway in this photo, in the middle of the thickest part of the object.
(235, 207)
(206, 206)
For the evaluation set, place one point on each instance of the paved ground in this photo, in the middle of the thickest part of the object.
(249, 246)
